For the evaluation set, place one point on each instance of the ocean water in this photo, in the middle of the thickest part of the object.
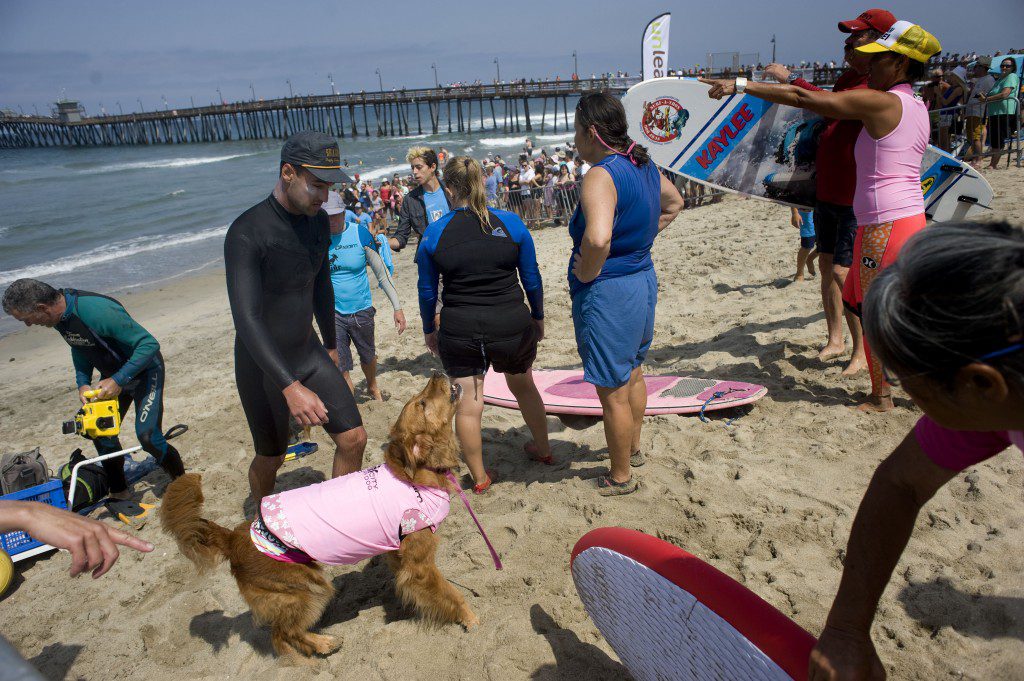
(108, 219)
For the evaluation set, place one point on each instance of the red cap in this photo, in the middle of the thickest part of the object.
(879, 19)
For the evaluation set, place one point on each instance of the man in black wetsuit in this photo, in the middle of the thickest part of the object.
(278, 278)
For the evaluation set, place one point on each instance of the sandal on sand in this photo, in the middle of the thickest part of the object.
(607, 487)
(533, 454)
(637, 459)
(484, 486)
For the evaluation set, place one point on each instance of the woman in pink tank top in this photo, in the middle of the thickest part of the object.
(888, 200)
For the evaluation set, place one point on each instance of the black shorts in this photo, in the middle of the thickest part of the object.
(264, 405)
(464, 357)
(835, 228)
(807, 242)
(1001, 128)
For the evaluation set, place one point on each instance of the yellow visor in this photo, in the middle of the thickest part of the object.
(907, 39)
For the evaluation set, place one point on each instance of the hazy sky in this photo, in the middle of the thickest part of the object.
(106, 51)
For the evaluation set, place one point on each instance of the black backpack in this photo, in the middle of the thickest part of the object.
(91, 484)
(23, 470)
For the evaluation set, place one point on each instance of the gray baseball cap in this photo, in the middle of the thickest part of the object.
(318, 153)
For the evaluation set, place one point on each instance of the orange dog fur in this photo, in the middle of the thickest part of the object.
(290, 598)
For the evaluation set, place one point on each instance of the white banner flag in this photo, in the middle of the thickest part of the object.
(655, 47)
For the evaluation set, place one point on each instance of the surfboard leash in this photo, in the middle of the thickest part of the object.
(716, 396)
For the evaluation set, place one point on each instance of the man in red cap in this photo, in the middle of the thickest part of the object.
(834, 222)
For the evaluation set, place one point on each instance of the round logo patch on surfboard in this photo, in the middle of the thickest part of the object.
(664, 120)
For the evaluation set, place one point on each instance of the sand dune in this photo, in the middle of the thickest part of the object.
(769, 500)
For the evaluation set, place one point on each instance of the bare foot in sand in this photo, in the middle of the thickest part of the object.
(831, 350)
(798, 277)
(876, 404)
(856, 365)
(375, 393)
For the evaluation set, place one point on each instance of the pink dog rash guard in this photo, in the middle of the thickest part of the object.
(357, 516)
(958, 449)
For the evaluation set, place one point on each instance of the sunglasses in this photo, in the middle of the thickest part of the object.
(892, 380)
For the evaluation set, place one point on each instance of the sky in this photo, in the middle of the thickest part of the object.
(137, 54)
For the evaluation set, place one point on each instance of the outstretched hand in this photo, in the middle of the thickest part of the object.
(92, 544)
(719, 88)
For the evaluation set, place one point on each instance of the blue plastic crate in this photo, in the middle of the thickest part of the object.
(51, 493)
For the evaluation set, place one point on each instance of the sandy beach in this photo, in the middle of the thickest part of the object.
(769, 500)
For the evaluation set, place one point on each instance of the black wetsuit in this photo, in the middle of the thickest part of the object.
(278, 279)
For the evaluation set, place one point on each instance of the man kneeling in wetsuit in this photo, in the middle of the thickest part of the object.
(104, 337)
(279, 279)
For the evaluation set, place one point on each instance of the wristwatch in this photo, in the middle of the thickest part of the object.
(792, 77)
(741, 85)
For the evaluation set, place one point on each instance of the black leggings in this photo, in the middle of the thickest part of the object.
(146, 392)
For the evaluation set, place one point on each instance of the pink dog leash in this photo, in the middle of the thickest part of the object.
(494, 554)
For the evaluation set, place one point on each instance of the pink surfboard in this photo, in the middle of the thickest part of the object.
(565, 392)
(669, 615)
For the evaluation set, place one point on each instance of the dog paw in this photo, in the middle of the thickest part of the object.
(470, 620)
(325, 645)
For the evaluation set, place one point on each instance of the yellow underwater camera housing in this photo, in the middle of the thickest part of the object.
(95, 419)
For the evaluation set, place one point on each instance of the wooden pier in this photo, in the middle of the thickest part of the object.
(505, 107)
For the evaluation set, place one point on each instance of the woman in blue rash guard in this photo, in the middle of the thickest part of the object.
(482, 255)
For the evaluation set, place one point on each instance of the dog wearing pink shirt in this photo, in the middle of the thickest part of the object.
(392, 509)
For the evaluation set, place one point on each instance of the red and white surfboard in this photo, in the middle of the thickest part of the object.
(669, 615)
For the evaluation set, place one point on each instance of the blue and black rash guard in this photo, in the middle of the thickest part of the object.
(481, 273)
(104, 337)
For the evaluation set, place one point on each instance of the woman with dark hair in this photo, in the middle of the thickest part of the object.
(625, 203)
(947, 321)
(1001, 103)
(888, 201)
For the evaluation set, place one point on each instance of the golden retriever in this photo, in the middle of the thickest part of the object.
(291, 597)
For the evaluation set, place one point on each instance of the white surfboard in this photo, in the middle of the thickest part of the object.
(750, 146)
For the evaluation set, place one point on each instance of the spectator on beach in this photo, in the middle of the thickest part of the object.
(424, 204)
(949, 95)
(805, 255)
(981, 83)
(834, 221)
(490, 185)
(354, 248)
(970, 387)
(105, 339)
(486, 260)
(625, 203)
(1002, 103)
(527, 174)
(888, 201)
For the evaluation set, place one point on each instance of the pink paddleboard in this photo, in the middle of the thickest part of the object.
(565, 392)
(669, 615)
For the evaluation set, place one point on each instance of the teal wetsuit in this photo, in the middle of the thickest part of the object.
(104, 338)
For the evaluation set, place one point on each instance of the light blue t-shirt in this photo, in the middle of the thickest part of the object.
(347, 260)
(807, 224)
(491, 187)
(436, 204)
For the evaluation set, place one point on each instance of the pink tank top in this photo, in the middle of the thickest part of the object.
(889, 169)
(357, 516)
